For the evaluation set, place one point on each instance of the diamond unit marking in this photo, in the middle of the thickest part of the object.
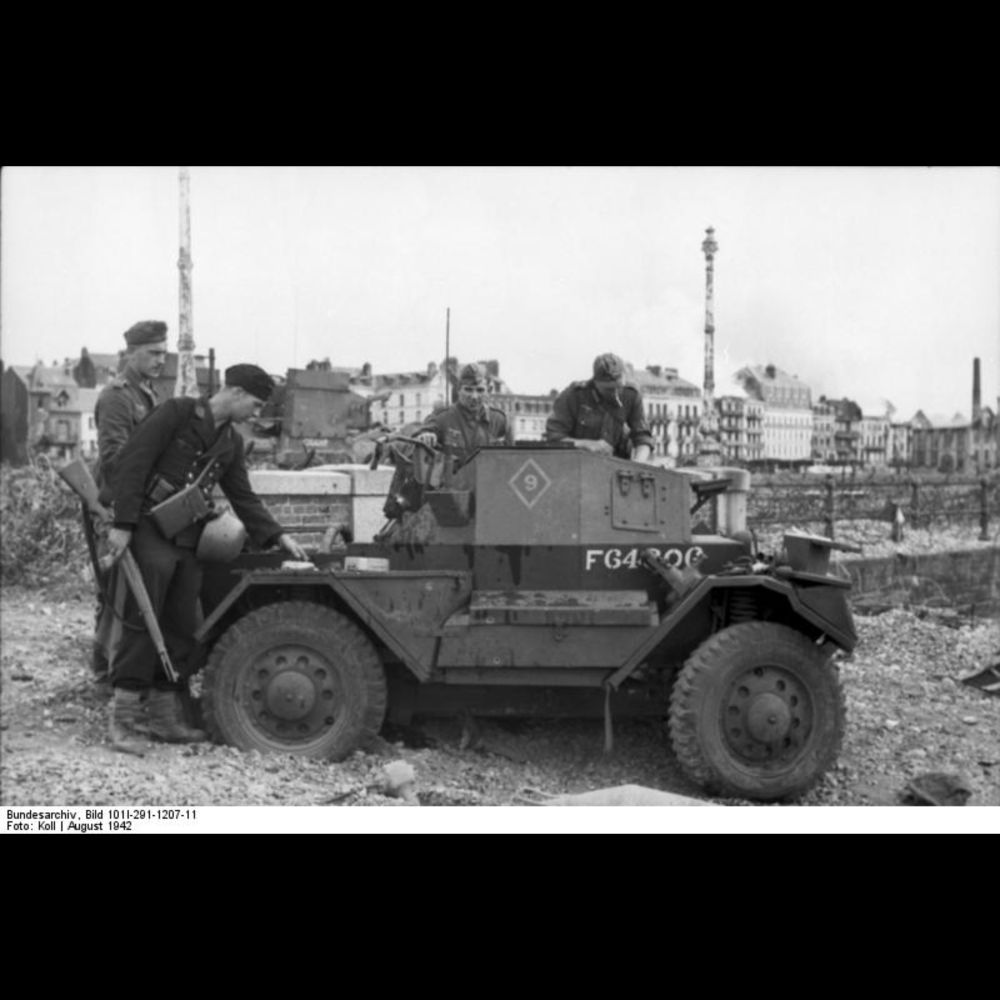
(529, 483)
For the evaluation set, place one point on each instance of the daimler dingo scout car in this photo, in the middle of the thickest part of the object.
(554, 581)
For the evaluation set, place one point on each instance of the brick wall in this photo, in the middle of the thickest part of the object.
(313, 504)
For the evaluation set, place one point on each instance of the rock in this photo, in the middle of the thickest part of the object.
(625, 795)
(936, 788)
(400, 781)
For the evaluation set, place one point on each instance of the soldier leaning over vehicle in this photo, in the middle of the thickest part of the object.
(181, 441)
(603, 414)
(121, 406)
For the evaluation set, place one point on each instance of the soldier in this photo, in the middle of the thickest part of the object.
(168, 450)
(466, 426)
(603, 414)
(131, 396)
(122, 404)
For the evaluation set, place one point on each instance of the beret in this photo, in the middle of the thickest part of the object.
(148, 331)
(473, 373)
(608, 366)
(254, 380)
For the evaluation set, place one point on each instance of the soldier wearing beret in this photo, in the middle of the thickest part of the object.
(124, 402)
(179, 440)
(603, 414)
(469, 424)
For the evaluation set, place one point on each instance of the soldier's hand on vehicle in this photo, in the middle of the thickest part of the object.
(119, 540)
(599, 447)
(293, 548)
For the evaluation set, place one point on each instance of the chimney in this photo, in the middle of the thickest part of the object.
(654, 370)
(977, 409)
(770, 371)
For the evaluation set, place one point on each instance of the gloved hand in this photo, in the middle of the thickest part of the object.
(428, 438)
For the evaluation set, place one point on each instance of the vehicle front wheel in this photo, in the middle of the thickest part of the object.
(757, 712)
(294, 677)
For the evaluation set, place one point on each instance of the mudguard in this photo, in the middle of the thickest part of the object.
(820, 601)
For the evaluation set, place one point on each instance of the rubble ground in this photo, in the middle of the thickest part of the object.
(908, 714)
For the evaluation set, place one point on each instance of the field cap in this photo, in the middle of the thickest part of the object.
(473, 375)
(608, 368)
(148, 331)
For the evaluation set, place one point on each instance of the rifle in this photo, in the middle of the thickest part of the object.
(77, 476)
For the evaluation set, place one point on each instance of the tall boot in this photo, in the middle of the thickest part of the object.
(126, 717)
(166, 722)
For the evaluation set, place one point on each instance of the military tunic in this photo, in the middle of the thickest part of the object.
(461, 432)
(580, 411)
(121, 406)
(166, 452)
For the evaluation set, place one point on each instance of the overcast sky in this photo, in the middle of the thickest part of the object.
(873, 283)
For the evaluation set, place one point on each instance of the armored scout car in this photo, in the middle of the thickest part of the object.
(553, 581)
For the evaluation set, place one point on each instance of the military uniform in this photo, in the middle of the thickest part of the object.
(580, 411)
(121, 406)
(461, 432)
(165, 453)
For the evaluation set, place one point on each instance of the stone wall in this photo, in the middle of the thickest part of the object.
(963, 579)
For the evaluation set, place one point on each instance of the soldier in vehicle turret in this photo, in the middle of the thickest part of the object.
(603, 414)
(468, 424)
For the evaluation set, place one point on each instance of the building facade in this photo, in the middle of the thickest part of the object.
(741, 429)
(787, 413)
(673, 410)
(526, 414)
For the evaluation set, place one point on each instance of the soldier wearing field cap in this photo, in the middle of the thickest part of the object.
(180, 440)
(603, 414)
(130, 397)
(470, 423)
(121, 405)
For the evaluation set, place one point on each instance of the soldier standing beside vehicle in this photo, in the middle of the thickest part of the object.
(181, 439)
(122, 404)
(603, 414)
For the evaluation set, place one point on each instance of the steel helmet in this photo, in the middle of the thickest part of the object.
(221, 539)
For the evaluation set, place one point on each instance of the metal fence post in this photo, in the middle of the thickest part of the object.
(984, 510)
(830, 505)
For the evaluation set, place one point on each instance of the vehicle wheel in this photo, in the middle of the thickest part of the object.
(757, 713)
(295, 677)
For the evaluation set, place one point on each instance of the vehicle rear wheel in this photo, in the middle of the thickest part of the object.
(757, 712)
(294, 677)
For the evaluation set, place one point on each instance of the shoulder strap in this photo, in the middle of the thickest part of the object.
(221, 439)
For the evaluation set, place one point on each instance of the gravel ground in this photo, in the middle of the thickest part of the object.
(908, 714)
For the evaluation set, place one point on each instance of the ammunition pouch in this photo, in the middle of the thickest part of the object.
(185, 508)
